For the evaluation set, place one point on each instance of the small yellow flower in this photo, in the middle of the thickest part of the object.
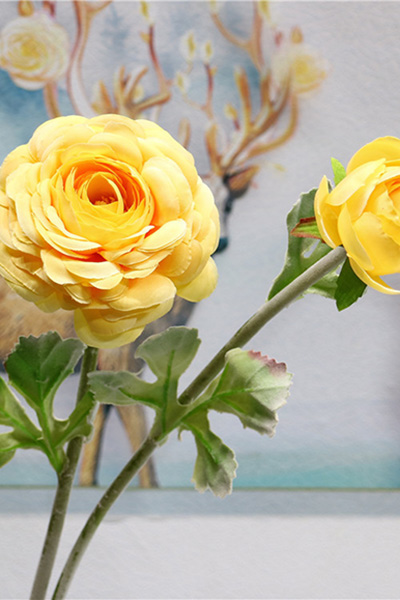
(34, 50)
(362, 212)
(106, 217)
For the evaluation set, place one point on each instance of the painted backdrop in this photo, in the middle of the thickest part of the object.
(263, 94)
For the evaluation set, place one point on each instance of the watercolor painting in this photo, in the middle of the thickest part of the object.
(246, 87)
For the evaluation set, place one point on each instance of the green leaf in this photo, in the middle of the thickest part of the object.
(123, 388)
(168, 354)
(303, 252)
(251, 387)
(339, 171)
(13, 415)
(7, 449)
(349, 287)
(78, 424)
(37, 367)
(215, 466)
(24, 433)
(171, 351)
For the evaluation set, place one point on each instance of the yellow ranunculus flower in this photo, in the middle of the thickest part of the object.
(34, 50)
(362, 213)
(109, 218)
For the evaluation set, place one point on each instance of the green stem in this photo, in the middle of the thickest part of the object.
(243, 335)
(108, 499)
(65, 481)
(264, 314)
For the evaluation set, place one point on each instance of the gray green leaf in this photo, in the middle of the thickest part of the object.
(253, 388)
(123, 388)
(168, 354)
(23, 434)
(37, 367)
(171, 351)
(215, 466)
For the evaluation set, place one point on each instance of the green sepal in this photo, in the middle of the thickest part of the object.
(349, 287)
(307, 228)
(303, 252)
(339, 171)
(24, 433)
(215, 466)
(168, 354)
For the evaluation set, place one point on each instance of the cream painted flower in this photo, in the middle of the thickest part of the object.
(362, 212)
(188, 46)
(34, 51)
(106, 217)
(207, 52)
(300, 65)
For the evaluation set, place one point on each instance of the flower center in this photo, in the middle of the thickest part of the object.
(102, 191)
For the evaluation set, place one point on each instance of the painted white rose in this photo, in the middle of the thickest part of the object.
(34, 50)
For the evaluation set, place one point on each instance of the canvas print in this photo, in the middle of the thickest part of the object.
(257, 92)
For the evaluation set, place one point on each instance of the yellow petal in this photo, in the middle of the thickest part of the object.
(107, 283)
(202, 286)
(375, 282)
(86, 269)
(55, 268)
(17, 157)
(144, 293)
(102, 337)
(177, 262)
(168, 236)
(33, 287)
(387, 148)
(197, 263)
(383, 251)
(326, 216)
(352, 244)
(125, 148)
(50, 130)
(356, 183)
(166, 200)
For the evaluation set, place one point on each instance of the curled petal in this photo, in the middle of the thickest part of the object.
(202, 286)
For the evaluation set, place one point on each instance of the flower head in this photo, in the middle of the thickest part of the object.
(299, 64)
(34, 51)
(362, 212)
(109, 218)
